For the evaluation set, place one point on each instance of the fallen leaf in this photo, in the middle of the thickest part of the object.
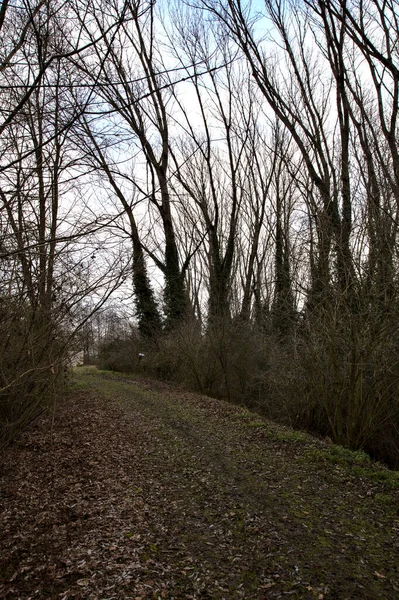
(380, 575)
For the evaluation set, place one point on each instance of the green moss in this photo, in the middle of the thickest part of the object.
(338, 455)
(390, 479)
(128, 534)
(290, 435)
(258, 424)
(323, 541)
(244, 415)
(349, 456)
(76, 385)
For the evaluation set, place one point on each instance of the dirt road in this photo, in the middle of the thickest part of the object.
(135, 490)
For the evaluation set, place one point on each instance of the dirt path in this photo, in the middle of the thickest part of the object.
(139, 491)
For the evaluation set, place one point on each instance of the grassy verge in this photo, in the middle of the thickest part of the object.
(293, 514)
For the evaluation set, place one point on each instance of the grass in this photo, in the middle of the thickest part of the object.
(253, 506)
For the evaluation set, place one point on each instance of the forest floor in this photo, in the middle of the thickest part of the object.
(134, 489)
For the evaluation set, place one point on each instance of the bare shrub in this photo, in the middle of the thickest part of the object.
(336, 374)
(120, 353)
(182, 356)
(277, 384)
(220, 362)
(32, 368)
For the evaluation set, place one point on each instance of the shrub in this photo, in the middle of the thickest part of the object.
(119, 354)
(32, 366)
(336, 375)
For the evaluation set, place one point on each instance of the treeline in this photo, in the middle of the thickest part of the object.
(238, 167)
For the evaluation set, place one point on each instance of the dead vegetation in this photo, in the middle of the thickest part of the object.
(139, 491)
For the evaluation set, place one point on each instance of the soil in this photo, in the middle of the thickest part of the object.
(133, 489)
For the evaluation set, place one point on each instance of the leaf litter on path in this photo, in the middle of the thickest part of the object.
(144, 492)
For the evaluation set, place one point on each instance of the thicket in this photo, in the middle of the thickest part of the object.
(335, 373)
(32, 365)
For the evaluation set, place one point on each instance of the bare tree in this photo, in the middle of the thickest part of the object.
(212, 172)
(42, 277)
(303, 106)
(149, 319)
(369, 84)
(131, 85)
